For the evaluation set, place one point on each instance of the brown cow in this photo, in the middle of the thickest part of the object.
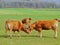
(45, 25)
(13, 25)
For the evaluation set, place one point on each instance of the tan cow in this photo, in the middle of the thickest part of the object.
(45, 25)
(14, 25)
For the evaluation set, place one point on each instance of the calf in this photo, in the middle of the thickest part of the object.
(14, 25)
(45, 25)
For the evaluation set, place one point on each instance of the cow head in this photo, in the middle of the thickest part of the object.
(26, 20)
(32, 26)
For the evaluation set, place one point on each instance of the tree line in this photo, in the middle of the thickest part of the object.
(29, 4)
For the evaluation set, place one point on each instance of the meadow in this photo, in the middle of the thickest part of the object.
(32, 39)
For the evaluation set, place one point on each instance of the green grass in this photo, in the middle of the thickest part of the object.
(32, 39)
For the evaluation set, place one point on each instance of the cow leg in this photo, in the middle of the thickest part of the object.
(18, 33)
(40, 32)
(55, 31)
(6, 27)
(6, 32)
(11, 33)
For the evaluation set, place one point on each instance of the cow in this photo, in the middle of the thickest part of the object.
(45, 25)
(14, 25)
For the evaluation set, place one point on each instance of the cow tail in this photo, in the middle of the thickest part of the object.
(6, 26)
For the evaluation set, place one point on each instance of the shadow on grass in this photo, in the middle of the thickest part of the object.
(6, 36)
(35, 36)
(29, 36)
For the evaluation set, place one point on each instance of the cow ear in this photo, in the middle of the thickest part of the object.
(24, 21)
(56, 19)
(29, 18)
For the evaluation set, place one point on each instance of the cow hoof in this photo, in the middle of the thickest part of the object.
(40, 36)
(55, 37)
(18, 36)
(5, 36)
(10, 37)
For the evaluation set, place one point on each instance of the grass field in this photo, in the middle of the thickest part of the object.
(32, 39)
